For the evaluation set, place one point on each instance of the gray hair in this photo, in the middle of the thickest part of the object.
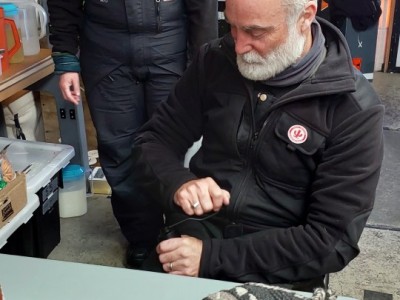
(294, 8)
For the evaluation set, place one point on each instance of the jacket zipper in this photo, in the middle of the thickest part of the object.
(254, 147)
(158, 15)
(252, 150)
(253, 137)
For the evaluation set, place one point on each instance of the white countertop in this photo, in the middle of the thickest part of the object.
(26, 278)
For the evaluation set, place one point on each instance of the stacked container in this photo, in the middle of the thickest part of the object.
(11, 12)
(8, 32)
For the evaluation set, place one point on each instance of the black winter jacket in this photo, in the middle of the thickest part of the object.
(110, 33)
(305, 201)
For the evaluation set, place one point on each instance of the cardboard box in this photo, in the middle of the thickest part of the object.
(12, 199)
(98, 182)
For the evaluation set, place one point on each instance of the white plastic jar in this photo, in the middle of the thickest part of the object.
(72, 202)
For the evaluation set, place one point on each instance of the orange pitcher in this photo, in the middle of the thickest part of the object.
(8, 53)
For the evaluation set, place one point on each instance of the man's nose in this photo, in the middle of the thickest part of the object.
(242, 43)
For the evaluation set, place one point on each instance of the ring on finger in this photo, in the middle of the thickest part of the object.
(195, 205)
(171, 266)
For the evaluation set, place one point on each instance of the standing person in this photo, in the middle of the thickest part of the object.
(131, 53)
(292, 145)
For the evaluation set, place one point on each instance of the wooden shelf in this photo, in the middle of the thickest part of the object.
(21, 75)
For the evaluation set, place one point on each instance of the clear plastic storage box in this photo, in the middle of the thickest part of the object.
(42, 162)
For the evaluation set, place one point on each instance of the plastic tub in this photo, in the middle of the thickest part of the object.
(42, 160)
(72, 200)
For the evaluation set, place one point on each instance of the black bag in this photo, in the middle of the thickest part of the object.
(362, 13)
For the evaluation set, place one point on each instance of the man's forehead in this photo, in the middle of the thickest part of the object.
(251, 25)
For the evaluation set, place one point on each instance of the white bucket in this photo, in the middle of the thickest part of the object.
(29, 116)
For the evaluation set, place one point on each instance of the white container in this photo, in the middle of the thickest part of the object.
(29, 115)
(72, 201)
(41, 161)
(31, 30)
(32, 23)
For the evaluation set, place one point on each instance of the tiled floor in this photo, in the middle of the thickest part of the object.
(375, 274)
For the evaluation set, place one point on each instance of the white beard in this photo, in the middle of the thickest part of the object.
(253, 66)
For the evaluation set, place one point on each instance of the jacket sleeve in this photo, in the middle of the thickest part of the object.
(65, 20)
(339, 203)
(159, 149)
(202, 23)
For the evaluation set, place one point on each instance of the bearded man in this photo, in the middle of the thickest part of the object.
(285, 178)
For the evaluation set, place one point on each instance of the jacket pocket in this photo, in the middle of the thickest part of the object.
(291, 200)
(170, 10)
(290, 153)
(298, 135)
(111, 14)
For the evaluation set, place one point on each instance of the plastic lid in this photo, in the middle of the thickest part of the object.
(72, 172)
(10, 9)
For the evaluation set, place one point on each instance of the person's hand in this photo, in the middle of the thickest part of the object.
(200, 196)
(181, 256)
(70, 87)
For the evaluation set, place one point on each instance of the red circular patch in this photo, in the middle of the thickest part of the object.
(297, 134)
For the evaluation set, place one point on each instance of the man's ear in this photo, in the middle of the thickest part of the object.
(308, 16)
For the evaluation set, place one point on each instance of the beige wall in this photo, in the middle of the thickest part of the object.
(383, 29)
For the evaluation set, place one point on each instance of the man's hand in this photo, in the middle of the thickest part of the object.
(181, 256)
(201, 196)
(70, 87)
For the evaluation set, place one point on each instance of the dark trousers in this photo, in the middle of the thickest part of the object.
(119, 104)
